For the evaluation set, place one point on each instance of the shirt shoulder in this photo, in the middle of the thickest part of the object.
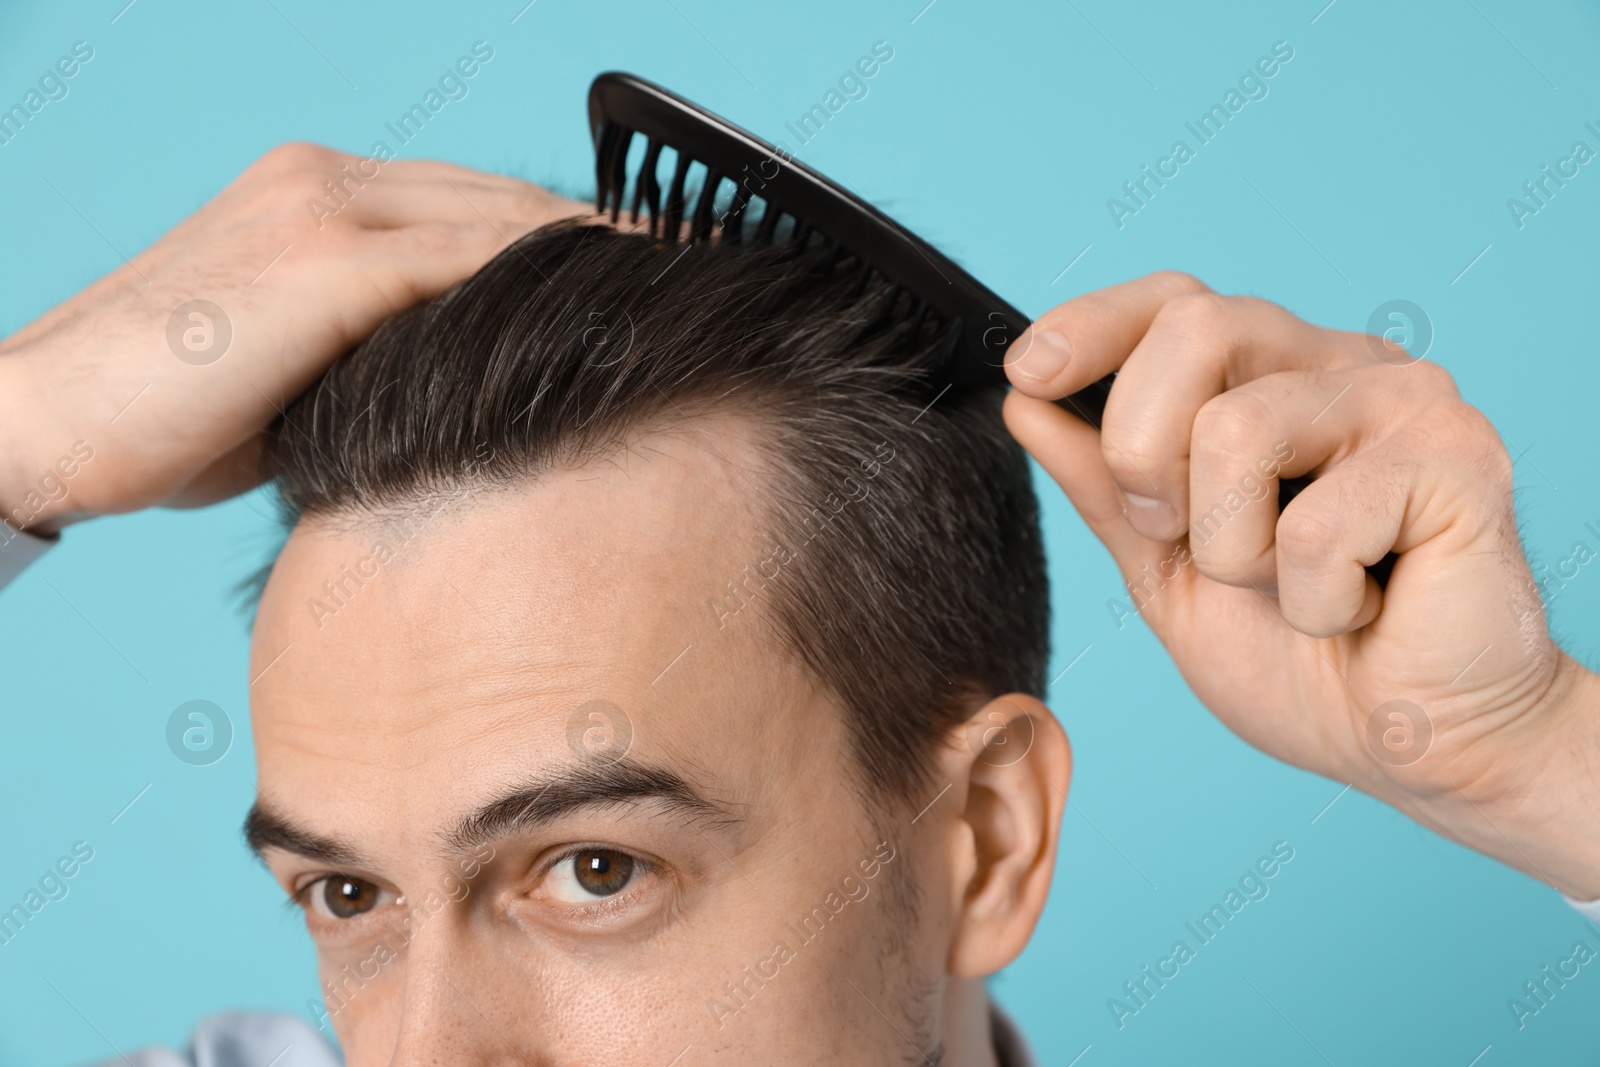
(242, 1039)
(17, 550)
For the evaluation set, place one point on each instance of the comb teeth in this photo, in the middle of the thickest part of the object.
(650, 188)
(733, 219)
(769, 222)
(666, 217)
(619, 169)
(668, 214)
(919, 316)
(673, 218)
(925, 297)
(700, 228)
(859, 284)
(604, 146)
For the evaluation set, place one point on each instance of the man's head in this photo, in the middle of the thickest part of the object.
(650, 667)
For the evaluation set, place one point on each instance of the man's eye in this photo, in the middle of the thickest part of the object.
(590, 875)
(340, 896)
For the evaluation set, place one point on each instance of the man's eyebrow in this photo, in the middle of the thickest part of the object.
(264, 829)
(540, 802)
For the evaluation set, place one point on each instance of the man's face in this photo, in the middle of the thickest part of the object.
(544, 803)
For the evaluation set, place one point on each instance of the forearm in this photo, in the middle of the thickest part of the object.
(1548, 826)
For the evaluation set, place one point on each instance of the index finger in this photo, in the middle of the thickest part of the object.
(1081, 341)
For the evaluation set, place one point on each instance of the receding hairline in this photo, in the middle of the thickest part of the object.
(706, 422)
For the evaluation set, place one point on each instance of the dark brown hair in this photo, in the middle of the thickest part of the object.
(914, 586)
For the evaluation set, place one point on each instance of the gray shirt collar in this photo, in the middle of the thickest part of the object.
(248, 1040)
(1010, 1047)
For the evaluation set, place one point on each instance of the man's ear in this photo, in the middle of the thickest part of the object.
(1015, 762)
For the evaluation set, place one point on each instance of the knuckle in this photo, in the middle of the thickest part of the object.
(1433, 377)
(293, 156)
(1232, 423)
(1306, 533)
(1464, 431)
(1178, 282)
(1135, 458)
(285, 187)
(1259, 309)
(1230, 563)
(1197, 315)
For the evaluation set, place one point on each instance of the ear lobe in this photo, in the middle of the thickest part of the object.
(1017, 763)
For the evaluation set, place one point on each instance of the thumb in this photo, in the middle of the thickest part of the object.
(1069, 450)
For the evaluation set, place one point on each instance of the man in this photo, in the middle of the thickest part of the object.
(652, 675)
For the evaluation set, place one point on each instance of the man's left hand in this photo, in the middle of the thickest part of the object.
(1441, 693)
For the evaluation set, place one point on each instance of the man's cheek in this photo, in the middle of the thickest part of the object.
(364, 1012)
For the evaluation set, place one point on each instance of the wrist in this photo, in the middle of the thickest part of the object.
(34, 496)
(1543, 815)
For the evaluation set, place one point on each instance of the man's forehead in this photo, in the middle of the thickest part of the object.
(601, 586)
(668, 513)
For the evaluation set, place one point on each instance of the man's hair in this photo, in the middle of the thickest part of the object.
(902, 563)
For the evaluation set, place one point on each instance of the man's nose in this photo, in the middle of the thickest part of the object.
(453, 1012)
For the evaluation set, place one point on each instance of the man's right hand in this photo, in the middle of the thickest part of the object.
(139, 374)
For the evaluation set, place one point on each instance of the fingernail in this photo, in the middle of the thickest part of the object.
(1154, 519)
(1040, 356)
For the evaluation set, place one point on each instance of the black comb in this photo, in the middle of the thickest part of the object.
(797, 206)
(804, 208)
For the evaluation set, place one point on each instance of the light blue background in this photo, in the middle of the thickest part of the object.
(1381, 163)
